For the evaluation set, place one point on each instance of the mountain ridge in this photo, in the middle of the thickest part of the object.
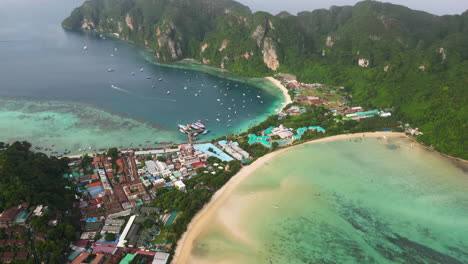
(388, 55)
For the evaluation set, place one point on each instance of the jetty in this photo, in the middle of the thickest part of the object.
(192, 130)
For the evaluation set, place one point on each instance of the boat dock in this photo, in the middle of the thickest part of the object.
(193, 130)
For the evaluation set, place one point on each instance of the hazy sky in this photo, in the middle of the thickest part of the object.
(438, 7)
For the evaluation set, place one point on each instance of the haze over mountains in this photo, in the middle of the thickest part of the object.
(387, 55)
(448, 7)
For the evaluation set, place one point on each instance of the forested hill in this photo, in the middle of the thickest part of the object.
(33, 177)
(388, 55)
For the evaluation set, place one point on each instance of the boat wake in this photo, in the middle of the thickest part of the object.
(120, 89)
(150, 98)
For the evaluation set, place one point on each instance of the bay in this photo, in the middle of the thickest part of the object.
(55, 92)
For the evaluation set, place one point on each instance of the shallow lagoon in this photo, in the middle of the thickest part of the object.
(348, 201)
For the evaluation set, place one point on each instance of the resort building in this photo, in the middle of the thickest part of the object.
(264, 140)
(233, 149)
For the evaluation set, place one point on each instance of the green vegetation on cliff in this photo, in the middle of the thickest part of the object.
(387, 55)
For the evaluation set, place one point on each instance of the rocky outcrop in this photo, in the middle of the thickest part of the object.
(246, 55)
(386, 68)
(270, 58)
(166, 40)
(422, 68)
(443, 54)
(329, 42)
(128, 21)
(119, 26)
(259, 34)
(224, 61)
(223, 45)
(204, 47)
(206, 61)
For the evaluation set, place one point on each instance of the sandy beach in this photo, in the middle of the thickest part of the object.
(185, 244)
(283, 89)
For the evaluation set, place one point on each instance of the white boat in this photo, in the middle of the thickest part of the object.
(206, 132)
(182, 127)
(168, 92)
(160, 79)
(141, 70)
(243, 94)
(132, 73)
(85, 47)
(181, 131)
(196, 94)
(148, 77)
(185, 88)
(112, 55)
(258, 96)
(218, 120)
(200, 124)
(154, 86)
(218, 100)
(115, 49)
(110, 70)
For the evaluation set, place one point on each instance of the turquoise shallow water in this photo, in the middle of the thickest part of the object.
(40, 62)
(379, 202)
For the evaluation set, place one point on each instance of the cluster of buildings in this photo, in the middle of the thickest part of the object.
(282, 135)
(332, 98)
(357, 113)
(115, 192)
(412, 131)
(15, 239)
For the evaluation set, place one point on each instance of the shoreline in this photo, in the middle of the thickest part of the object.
(185, 244)
(284, 91)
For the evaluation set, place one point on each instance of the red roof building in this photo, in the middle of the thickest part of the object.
(8, 216)
(22, 255)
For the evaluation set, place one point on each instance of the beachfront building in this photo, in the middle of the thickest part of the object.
(361, 115)
(212, 150)
(318, 129)
(233, 149)
(264, 140)
(282, 132)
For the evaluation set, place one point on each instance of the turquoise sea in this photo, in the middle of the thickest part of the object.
(347, 201)
(55, 92)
